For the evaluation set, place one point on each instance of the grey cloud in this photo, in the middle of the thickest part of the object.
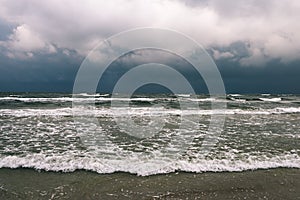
(235, 51)
(250, 33)
(271, 28)
(5, 30)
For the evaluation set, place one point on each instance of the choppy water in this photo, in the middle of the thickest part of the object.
(37, 130)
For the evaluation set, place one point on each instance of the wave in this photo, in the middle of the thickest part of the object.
(277, 99)
(183, 95)
(137, 111)
(71, 99)
(205, 99)
(69, 163)
(27, 99)
(235, 95)
(239, 100)
(98, 98)
(92, 95)
(84, 97)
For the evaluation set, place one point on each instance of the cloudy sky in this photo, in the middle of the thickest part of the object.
(255, 43)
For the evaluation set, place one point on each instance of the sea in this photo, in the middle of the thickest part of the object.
(41, 131)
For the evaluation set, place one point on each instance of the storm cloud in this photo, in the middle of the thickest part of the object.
(244, 37)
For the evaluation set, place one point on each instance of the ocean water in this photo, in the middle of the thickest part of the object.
(40, 131)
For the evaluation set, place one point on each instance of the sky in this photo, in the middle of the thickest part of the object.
(255, 44)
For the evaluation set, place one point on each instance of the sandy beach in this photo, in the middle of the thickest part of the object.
(281, 183)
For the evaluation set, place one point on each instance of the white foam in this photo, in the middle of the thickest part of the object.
(183, 95)
(70, 99)
(37, 112)
(288, 110)
(26, 99)
(203, 100)
(277, 99)
(92, 95)
(235, 95)
(69, 163)
(239, 100)
(138, 111)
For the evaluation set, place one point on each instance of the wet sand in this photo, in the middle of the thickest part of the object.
(278, 183)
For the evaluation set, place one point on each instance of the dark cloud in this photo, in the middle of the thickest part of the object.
(56, 73)
(256, 44)
(48, 73)
(139, 57)
(5, 29)
(274, 78)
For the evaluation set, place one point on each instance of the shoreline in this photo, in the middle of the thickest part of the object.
(26, 183)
